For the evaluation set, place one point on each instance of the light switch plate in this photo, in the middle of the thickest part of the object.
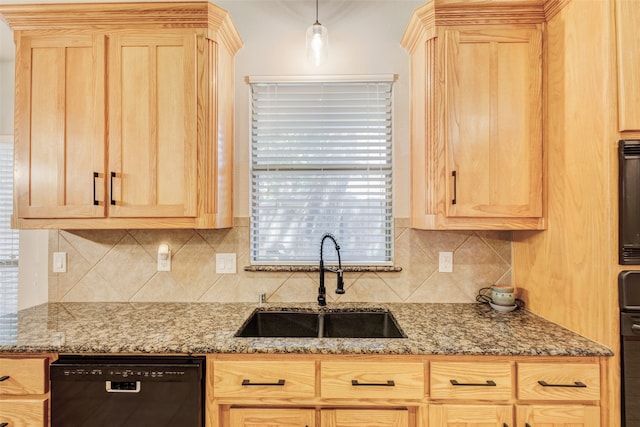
(445, 262)
(59, 262)
(226, 263)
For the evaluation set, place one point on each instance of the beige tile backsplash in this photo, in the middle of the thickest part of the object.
(120, 265)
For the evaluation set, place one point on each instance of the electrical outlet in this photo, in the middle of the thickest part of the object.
(445, 262)
(226, 263)
(164, 257)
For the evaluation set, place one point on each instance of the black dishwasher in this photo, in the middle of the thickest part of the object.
(127, 391)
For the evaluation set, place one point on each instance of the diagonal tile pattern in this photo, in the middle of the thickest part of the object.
(120, 265)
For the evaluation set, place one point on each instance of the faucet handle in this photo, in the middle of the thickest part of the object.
(340, 288)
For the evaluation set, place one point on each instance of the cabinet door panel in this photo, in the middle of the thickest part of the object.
(24, 412)
(493, 122)
(152, 141)
(60, 131)
(628, 19)
(559, 416)
(261, 417)
(470, 415)
(364, 418)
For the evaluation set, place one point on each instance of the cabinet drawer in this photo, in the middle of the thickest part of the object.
(264, 379)
(366, 380)
(558, 381)
(471, 380)
(23, 376)
(24, 412)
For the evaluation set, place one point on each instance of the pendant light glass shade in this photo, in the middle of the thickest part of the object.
(317, 42)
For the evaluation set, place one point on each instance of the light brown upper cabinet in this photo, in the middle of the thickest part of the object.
(152, 125)
(628, 54)
(124, 118)
(476, 116)
(59, 124)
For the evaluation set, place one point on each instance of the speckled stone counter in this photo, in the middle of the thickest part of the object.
(469, 329)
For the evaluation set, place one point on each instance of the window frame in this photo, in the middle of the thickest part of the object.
(389, 228)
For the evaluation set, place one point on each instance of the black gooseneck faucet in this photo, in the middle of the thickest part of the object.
(322, 299)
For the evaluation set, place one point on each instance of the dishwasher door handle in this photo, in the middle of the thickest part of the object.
(123, 386)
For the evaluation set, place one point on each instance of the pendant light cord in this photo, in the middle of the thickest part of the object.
(317, 22)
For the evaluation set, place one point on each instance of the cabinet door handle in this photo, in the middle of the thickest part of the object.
(113, 202)
(95, 175)
(454, 174)
(246, 382)
(4, 378)
(389, 383)
(576, 384)
(488, 383)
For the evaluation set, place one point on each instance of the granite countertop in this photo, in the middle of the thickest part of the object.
(198, 328)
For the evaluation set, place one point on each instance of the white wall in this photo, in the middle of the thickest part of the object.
(364, 38)
(33, 268)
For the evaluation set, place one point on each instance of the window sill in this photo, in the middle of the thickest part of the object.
(312, 268)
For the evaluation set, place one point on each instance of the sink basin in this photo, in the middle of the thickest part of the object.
(361, 324)
(329, 324)
(280, 324)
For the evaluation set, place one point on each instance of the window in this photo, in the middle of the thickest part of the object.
(321, 162)
(8, 247)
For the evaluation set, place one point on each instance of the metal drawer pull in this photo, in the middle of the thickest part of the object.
(113, 175)
(635, 327)
(454, 174)
(389, 383)
(95, 175)
(576, 384)
(489, 383)
(248, 382)
(4, 378)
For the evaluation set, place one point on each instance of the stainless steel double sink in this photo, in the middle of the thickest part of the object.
(321, 324)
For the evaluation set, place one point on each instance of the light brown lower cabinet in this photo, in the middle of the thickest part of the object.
(24, 390)
(408, 391)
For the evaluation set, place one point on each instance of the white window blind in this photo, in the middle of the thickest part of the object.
(8, 247)
(321, 162)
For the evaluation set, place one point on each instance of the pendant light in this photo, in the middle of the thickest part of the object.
(317, 42)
